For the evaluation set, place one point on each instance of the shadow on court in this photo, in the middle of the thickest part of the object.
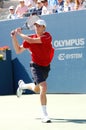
(81, 121)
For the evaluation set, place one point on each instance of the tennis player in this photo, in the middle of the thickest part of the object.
(42, 52)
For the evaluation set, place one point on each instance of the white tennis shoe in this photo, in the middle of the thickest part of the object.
(46, 119)
(20, 90)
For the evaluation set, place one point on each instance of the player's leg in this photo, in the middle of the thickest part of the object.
(43, 100)
(23, 86)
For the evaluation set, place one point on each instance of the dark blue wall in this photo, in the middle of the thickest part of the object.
(6, 75)
(68, 68)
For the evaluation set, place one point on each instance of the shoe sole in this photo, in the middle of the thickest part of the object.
(48, 121)
(17, 93)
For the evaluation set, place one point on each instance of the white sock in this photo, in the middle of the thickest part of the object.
(44, 111)
(24, 86)
(30, 86)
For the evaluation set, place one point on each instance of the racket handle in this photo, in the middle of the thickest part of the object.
(25, 27)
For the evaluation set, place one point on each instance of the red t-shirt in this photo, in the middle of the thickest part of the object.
(41, 54)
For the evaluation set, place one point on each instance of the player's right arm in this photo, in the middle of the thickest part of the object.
(18, 49)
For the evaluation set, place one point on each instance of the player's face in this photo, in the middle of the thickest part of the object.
(39, 29)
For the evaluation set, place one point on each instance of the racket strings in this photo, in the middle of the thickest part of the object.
(31, 21)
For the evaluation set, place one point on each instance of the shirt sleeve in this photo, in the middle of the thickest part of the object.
(46, 38)
(25, 44)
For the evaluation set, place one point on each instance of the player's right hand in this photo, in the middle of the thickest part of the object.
(13, 32)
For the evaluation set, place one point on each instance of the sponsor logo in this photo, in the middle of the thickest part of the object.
(63, 56)
(71, 44)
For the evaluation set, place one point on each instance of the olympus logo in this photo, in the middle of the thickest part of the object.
(69, 44)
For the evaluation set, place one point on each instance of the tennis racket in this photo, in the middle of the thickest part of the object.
(29, 24)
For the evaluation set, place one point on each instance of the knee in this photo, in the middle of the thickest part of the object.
(36, 89)
(43, 87)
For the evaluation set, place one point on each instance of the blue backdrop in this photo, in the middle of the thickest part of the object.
(68, 68)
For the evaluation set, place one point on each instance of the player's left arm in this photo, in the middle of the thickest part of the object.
(30, 40)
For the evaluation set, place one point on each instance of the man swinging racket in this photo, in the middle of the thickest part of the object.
(42, 52)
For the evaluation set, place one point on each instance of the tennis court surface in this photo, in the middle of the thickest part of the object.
(67, 112)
